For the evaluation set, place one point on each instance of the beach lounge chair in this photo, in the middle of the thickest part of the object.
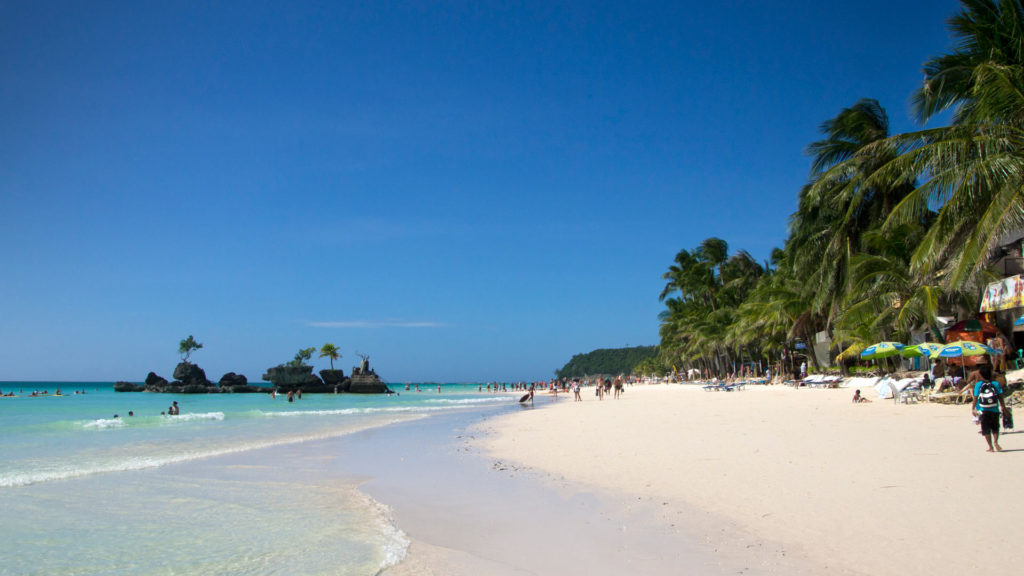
(902, 393)
(951, 398)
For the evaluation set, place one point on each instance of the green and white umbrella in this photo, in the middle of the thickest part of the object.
(882, 350)
(929, 349)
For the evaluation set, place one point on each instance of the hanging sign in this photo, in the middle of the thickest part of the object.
(1003, 295)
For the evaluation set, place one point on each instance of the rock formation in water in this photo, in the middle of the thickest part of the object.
(231, 380)
(287, 378)
(365, 381)
(191, 379)
(335, 379)
(191, 376)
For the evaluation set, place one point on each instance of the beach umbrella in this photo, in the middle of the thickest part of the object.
(882, 350)
(962, 348)
(965, 348)
(929, 349)
(972, 325)
(912, 352)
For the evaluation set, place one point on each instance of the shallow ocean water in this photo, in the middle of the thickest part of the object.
(220, 489)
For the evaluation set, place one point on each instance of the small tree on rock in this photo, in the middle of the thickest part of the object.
(301, 356)
(187, 346)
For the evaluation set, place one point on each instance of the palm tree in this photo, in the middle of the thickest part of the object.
(331, 351)
(974, 169)
(843, 201)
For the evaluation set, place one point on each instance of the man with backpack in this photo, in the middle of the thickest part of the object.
(989, 403)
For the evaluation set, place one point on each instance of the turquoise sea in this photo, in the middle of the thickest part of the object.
(223, 488)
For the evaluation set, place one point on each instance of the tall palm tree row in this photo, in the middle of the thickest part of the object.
(889, 229)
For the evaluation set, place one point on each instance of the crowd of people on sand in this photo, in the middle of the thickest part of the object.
(602, 387)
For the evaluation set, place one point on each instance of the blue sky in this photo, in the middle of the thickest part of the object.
(465, 191)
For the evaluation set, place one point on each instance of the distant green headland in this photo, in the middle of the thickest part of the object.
(608, 361)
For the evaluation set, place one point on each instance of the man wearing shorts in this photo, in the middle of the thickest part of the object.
(988, 401)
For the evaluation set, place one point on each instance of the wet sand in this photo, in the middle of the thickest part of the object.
(468, 513)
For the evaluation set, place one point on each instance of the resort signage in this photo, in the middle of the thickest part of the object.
(1003, 295)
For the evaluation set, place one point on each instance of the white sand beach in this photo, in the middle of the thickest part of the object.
(875, 488)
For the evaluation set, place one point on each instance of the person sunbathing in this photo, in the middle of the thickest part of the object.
(857, 398)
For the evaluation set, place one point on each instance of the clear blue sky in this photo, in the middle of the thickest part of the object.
(466, 191)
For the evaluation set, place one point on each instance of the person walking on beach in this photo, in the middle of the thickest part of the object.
(618, 386)
(988, 404)
(576, 391)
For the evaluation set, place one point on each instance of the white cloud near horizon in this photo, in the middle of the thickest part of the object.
(375, 324)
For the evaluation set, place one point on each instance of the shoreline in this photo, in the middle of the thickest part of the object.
(470, 514)
(874, 488)
(667, 479)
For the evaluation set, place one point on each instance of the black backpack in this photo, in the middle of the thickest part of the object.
(987, 396)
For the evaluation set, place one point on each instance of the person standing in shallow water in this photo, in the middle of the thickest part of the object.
(988, 402)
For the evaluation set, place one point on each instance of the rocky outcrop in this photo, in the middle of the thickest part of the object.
(187, 374)
(190, 379)
(335, 379)
(364, 380)
(367, 384)
(286, 378)
(231, 380)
